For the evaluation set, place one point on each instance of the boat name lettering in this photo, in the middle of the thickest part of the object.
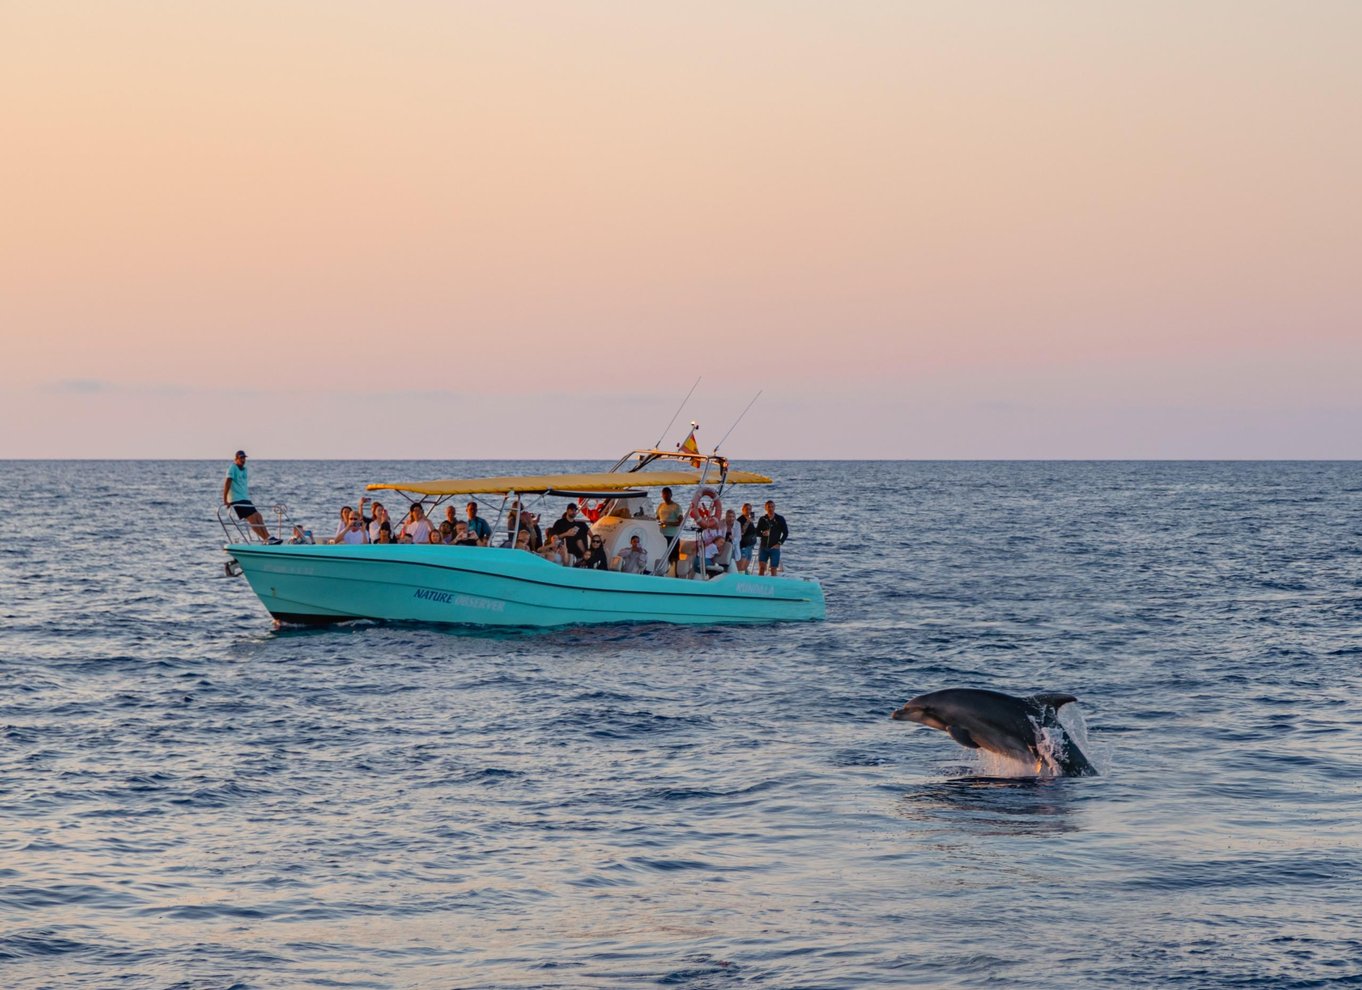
(443, 597)
(482, 603)
(751, 588)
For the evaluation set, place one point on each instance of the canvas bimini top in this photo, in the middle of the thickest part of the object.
(535, 484)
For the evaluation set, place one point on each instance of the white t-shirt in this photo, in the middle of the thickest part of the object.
(709, 539)
(419, 531)
(354, 535)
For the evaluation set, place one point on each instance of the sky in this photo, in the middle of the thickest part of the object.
(468, 230)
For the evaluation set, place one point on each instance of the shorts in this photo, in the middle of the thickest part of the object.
(745, 553)
(771, 556)
(674, 554)
(244, 509)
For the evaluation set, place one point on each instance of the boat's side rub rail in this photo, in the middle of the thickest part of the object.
(466, 586)
(671, 588)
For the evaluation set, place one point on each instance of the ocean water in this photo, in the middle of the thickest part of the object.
(191, 799)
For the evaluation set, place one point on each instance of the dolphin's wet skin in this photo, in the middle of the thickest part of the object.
(1026, 730)
(190, 800)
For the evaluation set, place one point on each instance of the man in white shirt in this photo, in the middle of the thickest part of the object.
(417, 527)
(355, 531)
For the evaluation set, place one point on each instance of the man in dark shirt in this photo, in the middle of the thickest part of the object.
(748, 542)
(573, 531)
(773, 532)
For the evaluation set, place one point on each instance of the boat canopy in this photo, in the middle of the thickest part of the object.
(534, 484)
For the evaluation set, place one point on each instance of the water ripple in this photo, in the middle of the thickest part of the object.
(189, 799)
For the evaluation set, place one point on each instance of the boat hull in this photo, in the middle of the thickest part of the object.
(489, 586)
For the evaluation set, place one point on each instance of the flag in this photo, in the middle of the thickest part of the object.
(689, 446)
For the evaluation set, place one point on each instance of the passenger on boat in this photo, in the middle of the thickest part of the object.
(522, 541)
(522, 521)
(416, 528)
(554, 551)
(463, 537)
(434, 537)
(385, 531)
(732, 532)
(375, 524)
(355, 530)
(529, 522)
(236, 495)
(446, 532)
(478, 526)
(633, 559)
(774, 533)
(344, 526)
(299, 536)
(572, 531)
(718, 544)
(594, 558)
(748, 541)
(712, 545)
(669, 517)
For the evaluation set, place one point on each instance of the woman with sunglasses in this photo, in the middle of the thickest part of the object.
(594, 558)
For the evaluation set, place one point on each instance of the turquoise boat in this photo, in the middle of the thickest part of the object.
(316, 584)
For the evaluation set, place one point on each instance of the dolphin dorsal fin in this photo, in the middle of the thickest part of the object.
(1052, 700)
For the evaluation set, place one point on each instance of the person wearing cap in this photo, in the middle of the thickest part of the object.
(236, 494)
(573, 532)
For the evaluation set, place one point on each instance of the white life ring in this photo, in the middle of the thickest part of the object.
(706, 509)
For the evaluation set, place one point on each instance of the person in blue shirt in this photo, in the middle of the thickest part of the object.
(236, 494)
(477, 525)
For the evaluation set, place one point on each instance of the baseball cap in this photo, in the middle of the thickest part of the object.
(240, 453)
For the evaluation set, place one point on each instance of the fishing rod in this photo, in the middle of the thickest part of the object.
(677, 413)
(737, 421)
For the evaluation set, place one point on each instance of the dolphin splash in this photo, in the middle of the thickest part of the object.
(1022, 729)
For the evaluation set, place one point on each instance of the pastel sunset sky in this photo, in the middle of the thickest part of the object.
(464, 230)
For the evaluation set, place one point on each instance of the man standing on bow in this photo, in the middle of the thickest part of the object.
(236, 494)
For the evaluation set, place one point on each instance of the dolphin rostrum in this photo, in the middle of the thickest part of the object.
(1002, 724)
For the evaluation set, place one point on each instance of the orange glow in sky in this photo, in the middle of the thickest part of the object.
(443, 229)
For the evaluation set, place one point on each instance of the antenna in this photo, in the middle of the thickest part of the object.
(677, 413)
(737, 421)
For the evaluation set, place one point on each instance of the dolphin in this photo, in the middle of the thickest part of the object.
(1002, 724)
